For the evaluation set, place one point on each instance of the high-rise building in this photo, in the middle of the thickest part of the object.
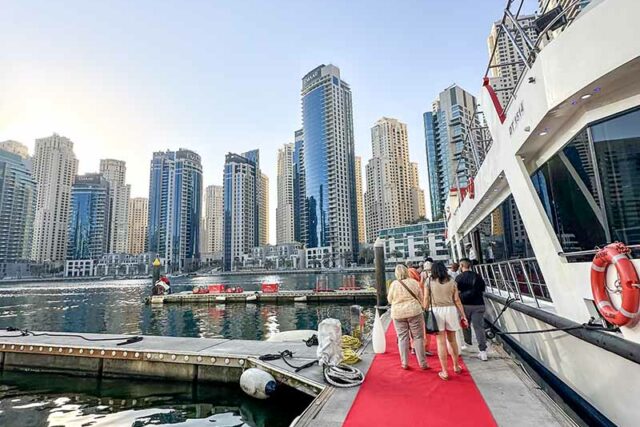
(175, 208)
(17, 208)
(138, 224)
(285, 210)
(115, 172)
(241, 212)
(263, 209)
(418, 208)
(445, 127)
(329, 163)
(15, 147)
(362, 238)
(299, 189)
(54, 169)
(214, 219)
(388, 199)
(89, 219)
(507, 65)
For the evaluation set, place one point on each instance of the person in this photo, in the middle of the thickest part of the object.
(426, 270)
(471, 287)
(472, 254)
(442, 294)
(405, 297)
(454, 270)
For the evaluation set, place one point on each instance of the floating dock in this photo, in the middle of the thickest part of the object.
(354, 296)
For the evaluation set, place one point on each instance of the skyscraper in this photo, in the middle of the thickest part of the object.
(388, 199)
(214, 219)
(89, 219)
(329, 162)
(418, 208)
(284, 211)
(175, 208)
(445, 127)
(138, 224)
(299, 189)
(263, 209)
(54, 169)
(15, 147)
(17, 208)
(507, 65)
(241, 212)
(115, 172)
(362, 238)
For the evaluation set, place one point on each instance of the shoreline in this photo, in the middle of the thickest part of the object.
(354, 270)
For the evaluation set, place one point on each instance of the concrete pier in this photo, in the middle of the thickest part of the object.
(352, 296)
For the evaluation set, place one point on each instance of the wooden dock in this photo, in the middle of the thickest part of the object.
(354, 296)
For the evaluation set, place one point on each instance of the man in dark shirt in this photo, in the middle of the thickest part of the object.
(471, 287)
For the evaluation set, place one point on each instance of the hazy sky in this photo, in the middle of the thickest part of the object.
(122, 79)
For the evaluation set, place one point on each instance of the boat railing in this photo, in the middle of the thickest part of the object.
(515, 278)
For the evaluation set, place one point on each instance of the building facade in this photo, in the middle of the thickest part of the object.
(329, 162)
(89, 219)
(214, 219)
(415, 242)
(389, 198)
(115, 172)
(175, 209)
(263, 209)
(418, 207)
(15, 147)
(241, 184)
(299, 190)
(17, 211)
(285, 210)
(362, 238)
(445, 127)
(138, 225)
(54, 169)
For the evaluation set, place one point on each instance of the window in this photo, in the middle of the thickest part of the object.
(587, 189)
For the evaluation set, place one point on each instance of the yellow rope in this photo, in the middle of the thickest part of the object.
(349, 345)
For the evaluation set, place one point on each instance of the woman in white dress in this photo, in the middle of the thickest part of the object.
(442, 293)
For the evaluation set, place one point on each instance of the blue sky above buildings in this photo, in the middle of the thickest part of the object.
(123, 79)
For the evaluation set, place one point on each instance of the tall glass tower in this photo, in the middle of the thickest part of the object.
(329, 163)
(299, 199)
(89, 219)
(175, 208)
(17, 209)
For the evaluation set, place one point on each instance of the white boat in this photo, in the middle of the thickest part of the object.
(560, 177)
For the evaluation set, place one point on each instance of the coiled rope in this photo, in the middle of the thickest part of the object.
(343, 376)
(349, 346)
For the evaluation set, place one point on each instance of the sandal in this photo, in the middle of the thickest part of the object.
(405, 367)
(458, 371)
(425, 367)
(443, 376)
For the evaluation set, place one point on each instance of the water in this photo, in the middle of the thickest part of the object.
(118, 307)
(56, 400)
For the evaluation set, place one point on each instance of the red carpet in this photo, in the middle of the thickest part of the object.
(391, 396)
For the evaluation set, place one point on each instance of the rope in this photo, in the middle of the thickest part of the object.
(26, 332)
(284, 355)
(342, 376)
(349, 346)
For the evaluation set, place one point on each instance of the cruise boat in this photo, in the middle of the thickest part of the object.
(556, 184)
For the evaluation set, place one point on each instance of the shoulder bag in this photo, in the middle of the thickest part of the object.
(430, 322)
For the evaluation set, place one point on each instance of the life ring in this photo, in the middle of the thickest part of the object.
(618, 255)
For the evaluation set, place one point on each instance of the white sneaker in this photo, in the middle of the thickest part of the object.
(483, 356)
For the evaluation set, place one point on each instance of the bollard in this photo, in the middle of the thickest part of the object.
(381, 279)
(355, 312)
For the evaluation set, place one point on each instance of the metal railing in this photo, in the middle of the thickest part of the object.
(515, 279)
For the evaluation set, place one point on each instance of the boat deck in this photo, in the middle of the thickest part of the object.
(502, 389)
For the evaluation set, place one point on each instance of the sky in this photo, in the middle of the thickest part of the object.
(123, 79)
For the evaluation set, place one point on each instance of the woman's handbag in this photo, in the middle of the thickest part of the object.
(430, 322)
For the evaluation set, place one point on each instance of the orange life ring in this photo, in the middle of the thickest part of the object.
(618, 255)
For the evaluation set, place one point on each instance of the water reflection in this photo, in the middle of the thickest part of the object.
(56, 400)
(118, 307)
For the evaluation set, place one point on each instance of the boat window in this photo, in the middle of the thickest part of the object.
(587, 189)
(502, 234)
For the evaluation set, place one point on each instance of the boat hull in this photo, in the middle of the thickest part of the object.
(595, 373)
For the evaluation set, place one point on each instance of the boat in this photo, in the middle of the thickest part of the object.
(553, 187)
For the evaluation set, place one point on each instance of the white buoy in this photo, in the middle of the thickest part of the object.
(379, 341)
(257, 383)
